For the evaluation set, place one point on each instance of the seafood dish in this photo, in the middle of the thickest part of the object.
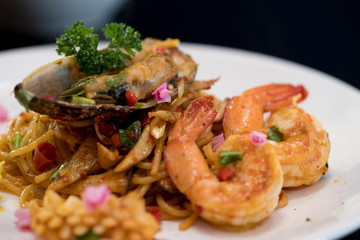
(111, 151)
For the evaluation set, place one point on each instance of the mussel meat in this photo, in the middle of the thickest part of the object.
(60, 90)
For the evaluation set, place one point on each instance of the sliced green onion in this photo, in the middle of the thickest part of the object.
(56, 174)
(86, 80)
(131, 135)
(78, 88)
(82, 100)
(17, 140)
(24, 97)
(139, 104)
(75, 91)
(116, 80)
(275, 134)
(230, 156)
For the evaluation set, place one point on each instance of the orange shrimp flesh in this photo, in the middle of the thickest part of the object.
(247, 197)
(305, 149)
(245, 112)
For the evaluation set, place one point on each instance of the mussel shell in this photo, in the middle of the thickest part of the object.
(70, 111)
(49, 81)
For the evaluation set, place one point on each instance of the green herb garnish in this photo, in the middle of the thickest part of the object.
(81, 100)
(75, 91)
(24, 97)
(82, 42)
(275, 134)
(131, 135)
(17, 140)
(139, 104)
(88, 236)
(115, 80)
(56, 174)
(230, 156)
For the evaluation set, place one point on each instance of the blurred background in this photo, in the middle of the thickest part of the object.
(320, 34)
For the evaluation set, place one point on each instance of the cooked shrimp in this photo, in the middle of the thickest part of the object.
(245, 112)
(304, 151)
(249, 195)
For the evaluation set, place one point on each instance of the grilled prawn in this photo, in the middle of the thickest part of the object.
(249, 196)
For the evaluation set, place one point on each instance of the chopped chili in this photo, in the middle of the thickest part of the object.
(131, 98)
(225, 174)
(45, 155)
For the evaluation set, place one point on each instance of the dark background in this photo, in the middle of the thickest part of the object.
(320, 34)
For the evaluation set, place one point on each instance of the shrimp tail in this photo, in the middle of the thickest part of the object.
(181, 149)
(195, 120)
(245, 112)
(276, 96)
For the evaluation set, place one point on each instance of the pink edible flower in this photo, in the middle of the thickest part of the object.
(162, 94)
(257, 138)
(94, 196)
(3, 114)
(23, 222)
(217, 141)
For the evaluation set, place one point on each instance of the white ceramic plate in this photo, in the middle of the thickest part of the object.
(332, 204)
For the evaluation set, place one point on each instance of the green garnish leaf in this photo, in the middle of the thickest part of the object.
(275, 134)
(88, 236)
(122, 36)
(139, 104)
(75, 91)
(115, 80)
(82, 100)
(56, 174)
(230, 156)
(24, 97)
(78, 88)
(17, 140)
(82, 42)
(84, 81)
(131, 135)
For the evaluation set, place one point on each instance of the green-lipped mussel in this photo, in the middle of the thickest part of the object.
(59, 89)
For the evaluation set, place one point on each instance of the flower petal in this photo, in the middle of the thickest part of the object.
(3, 114)
(23, 222)
(217, 141)
(162, 94)
(94, 196)
(257, 138)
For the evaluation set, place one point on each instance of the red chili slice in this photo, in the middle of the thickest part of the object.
(160, 49)
(130, 97)
(45, 155)
(49, 98)
(116, 140)
(155, 211)
(106, 128)
(144, 119)
(179, 109)
(198, 209)
(225, 174)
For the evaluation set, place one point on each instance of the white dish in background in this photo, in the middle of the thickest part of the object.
(332, 204)
(45, 19)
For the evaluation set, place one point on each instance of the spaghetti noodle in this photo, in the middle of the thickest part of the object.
(140, 169)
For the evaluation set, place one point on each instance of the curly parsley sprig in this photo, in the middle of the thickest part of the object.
(82, 42)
